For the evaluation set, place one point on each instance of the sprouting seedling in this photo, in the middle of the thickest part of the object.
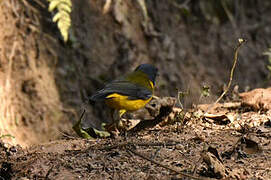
(6, 135)
(268, 53)
(205, 91)
(181, 95)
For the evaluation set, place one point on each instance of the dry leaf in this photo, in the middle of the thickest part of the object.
(107, 6)
(257, 98)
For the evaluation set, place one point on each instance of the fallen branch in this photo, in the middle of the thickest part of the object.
(48, 172)
(164, 166)
(121, 145)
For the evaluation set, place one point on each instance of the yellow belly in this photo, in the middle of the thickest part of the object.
(117, 101)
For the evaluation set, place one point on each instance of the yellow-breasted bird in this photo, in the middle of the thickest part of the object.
(128, 93)
(131, 92)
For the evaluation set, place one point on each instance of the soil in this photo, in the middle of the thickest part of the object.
(45, 82)
(231, 141)
(164, 151)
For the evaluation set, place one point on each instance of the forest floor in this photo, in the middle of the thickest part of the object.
(231, 141)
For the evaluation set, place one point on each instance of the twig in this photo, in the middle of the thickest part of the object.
(240, 42)
(157, 144)
(13, 7)
(66, 135)
(41, 3)
(180, 6)
(143, 7)
(196, 166)
(229, 14)
(236, 50)
(10, 58)
(120, 145)
(110, 147)
(156, 153)
(30, 6)
(106, 6)
(162, 165)
(49, 171)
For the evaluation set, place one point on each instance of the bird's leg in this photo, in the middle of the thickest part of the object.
(121, 112)
(112, 127)
(117, 124)
(120, 124)
(123, 123)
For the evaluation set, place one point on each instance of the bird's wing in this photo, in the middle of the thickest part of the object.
(126, 88)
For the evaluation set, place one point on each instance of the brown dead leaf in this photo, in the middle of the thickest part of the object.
(161, 109)
(250, 146)
(257, 98)
(219, 107)
(267, 124)
(155, 105)
(107, 6)
(215, 116)
(238, 173)
(214, 165)
(133, 123)
(120, 11)
(212, 159)
(221, 119)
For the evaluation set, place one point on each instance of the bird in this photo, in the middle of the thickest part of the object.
(130, 92)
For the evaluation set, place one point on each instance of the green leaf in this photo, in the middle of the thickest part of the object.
(6, 135)
(205, 91)
(53, 4)
(62, 17)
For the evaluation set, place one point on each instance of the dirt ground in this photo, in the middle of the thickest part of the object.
(232, 141)
(44, 82)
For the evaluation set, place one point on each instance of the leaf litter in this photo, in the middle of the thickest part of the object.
(173, 145)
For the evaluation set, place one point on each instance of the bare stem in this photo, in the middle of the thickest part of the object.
(236, 50)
